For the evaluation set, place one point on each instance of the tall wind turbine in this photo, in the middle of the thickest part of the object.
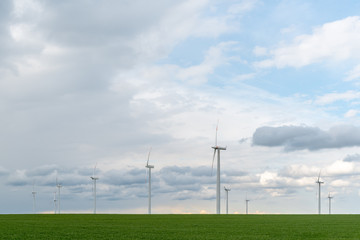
(330, 197)
(94, 179)
(58, 185)
(319, 183)
(227, 199)
(217, 149)
(149, 168)
(34, 198)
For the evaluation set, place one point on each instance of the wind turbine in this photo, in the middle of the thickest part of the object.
(247, 205)
(94, 179)
(34, 198)
(227, 199)
(319, 183)
(217, 149)
(58, 185)
(330, 197)
(149, 167)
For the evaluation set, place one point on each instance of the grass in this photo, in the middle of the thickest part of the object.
(108, 226)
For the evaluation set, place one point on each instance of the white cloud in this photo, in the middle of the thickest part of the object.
(243, 6)
(333, 97)
(351, 113)
(186, 16)
(260, 51)
(243, 77)
(340, 168)
(339, 183)
(214, 57)
(353, 74)
(334, 41)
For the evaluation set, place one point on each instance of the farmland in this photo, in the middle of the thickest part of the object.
(110, 226)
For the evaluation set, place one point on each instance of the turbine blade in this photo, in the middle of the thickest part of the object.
(217, 126)
(94, 170)
(147, 163)
(212, 166)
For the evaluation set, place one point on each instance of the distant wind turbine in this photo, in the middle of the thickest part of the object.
(247, 204)
(217, 149)
(149, 167)
(227, 199)
(34, 198)
(58, 185)
(330, 197)
(94, 179)
(319, 183)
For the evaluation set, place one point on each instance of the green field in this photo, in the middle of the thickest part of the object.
(108, 226)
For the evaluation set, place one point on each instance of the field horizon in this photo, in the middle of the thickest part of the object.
(179, 226)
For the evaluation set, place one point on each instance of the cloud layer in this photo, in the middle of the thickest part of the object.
(293, 138)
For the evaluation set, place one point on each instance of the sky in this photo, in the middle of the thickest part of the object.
(85, 83)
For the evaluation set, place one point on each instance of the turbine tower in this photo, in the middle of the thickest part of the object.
(330, 197)
(217, 149)
(55, 206)
(34, 198)
(94, 179)
(58, 185)
(227, 199)
(247, 205)
(319, 183)
(149, 167)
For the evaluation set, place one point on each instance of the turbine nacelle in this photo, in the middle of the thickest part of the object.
(94, 178)
(149, 166)
(219, 148)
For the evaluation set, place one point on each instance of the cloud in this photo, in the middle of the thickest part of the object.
(333, 97)
(353, 74)
(293, 138)
(244, 6)
(260, 51)
(341, 168)
(299, 171)
(352, 158)
(128, 177)
(4, 171)
(351, 113)
(214, 57)
(333, 41)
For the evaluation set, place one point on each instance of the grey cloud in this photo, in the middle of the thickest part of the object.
(179, 182)
(42, 171)
(176, 176)
(4, 172)
(235, 173)
(115, 19)
(293, 138)
(125, 178)
(352, 158)
(243, 140)
(68, 110)
(45, 176)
